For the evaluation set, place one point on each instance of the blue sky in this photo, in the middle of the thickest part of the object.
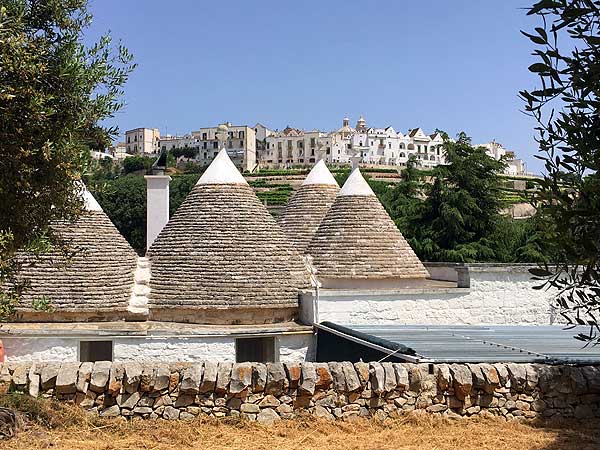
(455, 65)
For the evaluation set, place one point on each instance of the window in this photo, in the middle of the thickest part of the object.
(204, 145)
(241, 137)
(204, 138)
(289, 144)
(300, 144)
(92, 351)
(401, 146)
(255, 349)
(389, 145)
(216, 144)
(242, 144)
(279, 146)
(128, 139)
(312, 142)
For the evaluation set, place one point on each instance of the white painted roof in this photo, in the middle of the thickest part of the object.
(89, 202)
(319, 174)
(222, 171)
(356, 185)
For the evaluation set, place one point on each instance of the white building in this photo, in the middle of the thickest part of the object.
(142, 140)
(240, 145)
(497, 151)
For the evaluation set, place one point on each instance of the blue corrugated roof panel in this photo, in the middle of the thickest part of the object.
(494, 343)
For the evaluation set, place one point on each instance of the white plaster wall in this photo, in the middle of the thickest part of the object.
(296, 347)
(174, 349)
(495, 298)
(40, 349)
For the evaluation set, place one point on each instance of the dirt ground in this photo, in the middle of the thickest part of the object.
(410, 432)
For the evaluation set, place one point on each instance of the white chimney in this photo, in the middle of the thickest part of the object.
(157, 205)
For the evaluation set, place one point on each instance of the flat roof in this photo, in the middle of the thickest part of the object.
(493, 343)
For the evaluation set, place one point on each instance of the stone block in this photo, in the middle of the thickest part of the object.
(401, 376)
(390, 382)
(267, 417)
(146, 378)
(269, 402)
(293, 372)
(161, 377)
(128, 401)
(100, 376)
(66, 379)
(492, 379)
(337, 374)
(259, 377)
(323, 413)
(84, 375)
(48, 375)
(377, 377)
(19, 376)
(577, 380)
(209, 379)
(463, 380)
(518, 376)
(115, 380)
(275, 379)
(353, 383)
(308, 379)
(324, 378)
(590, 373)
(479, 380)
(249, 408)
(443, 377)
(192, 377)
(241, 378)
(223, 377)
(111, 411)
(502, 371)
(362, 369)
(132, 376)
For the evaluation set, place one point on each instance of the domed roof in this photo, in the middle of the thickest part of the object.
(357, 239)
(308, 206)
(222, 258)
(94, 283)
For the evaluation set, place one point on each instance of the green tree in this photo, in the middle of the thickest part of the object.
(566, 106)
(54, 94)
(137, 163)
(462, 207)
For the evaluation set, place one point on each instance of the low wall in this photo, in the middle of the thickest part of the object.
(269, 392)
(498, 295)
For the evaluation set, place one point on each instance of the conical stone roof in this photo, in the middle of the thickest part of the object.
(308, 206)
(357, 239)
(222, 258)
(92, 281)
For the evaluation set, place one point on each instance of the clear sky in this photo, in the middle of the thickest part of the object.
(456, 65)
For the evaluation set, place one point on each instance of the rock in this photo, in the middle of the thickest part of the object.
(352, 381)
(170, 413)
(146, 401)
(416, 375)
(146, 378)
(523, 406)
(308, 379)
(293, 372)
(241, 377)
(362, 369)
(377, 377)
(577, 380)
(132, 376)
(463, 380)
(267, 417)
(48, 375)
(190, 382)
(324, 378)
(269, 402)
(111, 411)
(84, 375)
(19, 376)
(209, 380)
(100, 376)
(337, 373)
(518, 376)
(401, 376)
(115, 379)
(590, 373)
(66, 379)
(128, 401)
(390, 377)
(438, 408)
(479, 380)
(583, 412)
(322, 413)
(443, 377)
(275, 379)
(259, 377)
(234, 403)
(532, 377)
(161, 377)
(164, 400)
(492, 379)
(285, 409)
(142, 410)
(184, 400)
(502, 373)
(249, 408)
(174, 379)
(34, 384)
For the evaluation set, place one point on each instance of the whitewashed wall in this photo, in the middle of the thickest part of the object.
(497, 296)
(292, 348)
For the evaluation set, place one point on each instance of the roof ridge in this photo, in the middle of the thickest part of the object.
(356, 185)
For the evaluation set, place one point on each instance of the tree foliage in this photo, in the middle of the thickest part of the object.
(54, 93)
(566, 106)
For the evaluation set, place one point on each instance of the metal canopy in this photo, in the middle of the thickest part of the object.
(494, 343)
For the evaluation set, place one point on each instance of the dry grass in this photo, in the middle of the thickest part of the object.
(80, 432)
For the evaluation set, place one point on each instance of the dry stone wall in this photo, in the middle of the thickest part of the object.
(336, 390)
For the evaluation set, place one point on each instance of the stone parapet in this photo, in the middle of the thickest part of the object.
(336, 390)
